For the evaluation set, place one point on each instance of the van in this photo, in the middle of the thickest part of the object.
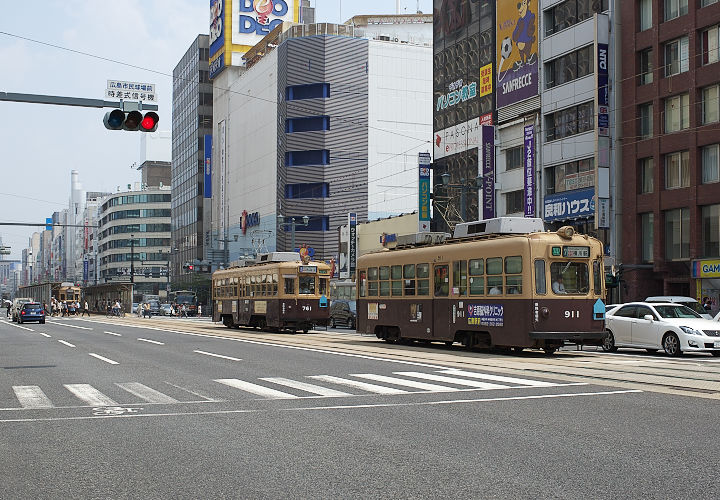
(17, 306)
(679, 299)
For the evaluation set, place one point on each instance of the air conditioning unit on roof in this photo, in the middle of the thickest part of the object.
(499, 225)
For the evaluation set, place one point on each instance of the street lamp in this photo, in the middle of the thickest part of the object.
(474, 185)
(293, 225)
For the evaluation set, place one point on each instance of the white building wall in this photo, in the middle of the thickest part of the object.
(509, 135)
(156, 146)
(400, 124)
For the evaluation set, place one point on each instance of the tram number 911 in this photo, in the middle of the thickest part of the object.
(572, 314)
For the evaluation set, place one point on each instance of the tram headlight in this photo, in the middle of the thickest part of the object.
(545, 312)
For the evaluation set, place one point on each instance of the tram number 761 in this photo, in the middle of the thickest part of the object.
(572, 314)
(307, 308)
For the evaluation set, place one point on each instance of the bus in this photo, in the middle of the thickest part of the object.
(498, 284)
(187, 298)
(278, 292)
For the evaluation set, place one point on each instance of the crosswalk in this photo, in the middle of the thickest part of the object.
(33, 397)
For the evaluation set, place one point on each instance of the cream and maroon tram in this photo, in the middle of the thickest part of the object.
(278, 292)
(498, 283)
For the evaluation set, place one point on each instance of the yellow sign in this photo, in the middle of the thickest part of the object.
(486, 80)
(706, 269)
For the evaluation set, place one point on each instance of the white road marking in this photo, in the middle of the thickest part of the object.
(151, 341)
(218, 355)
(71, 326)
(453, 380)
(255, 389)
(191, 392)
(31, 396)
(113, 333)
(103, 358)
(90, 395)
(45, 335)
(146, 393)
(407, 383)
(364, 386)
(498, 378)
(66, 343)
(321, 408)
(18, 326)
(303, 386)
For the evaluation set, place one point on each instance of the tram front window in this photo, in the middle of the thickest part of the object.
(307, 285)
(570, 278)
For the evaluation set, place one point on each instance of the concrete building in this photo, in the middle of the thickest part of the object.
(192, 123)
(142, 217)
(321, 122)
(671, 172)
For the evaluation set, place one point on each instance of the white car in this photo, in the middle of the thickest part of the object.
(652, 326)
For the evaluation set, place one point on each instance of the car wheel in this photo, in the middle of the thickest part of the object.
(715, 353)
(350, 324)
(671, 344)
(332, 322)
(42, 322)
(608, 342)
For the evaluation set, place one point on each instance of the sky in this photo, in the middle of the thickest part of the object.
(131, 40)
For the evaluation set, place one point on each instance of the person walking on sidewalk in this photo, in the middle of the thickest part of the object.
(86, 310)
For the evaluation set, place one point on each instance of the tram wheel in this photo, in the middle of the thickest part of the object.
(549, 351)
(517, 350)
(449, 343)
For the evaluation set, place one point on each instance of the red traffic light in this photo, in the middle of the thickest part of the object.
(149, 122)
(191, 267)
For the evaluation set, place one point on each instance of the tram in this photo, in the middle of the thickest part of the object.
(279, 291)
(43, 292)
(502, 282)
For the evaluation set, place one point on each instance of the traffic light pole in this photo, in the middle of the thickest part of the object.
(67, 101)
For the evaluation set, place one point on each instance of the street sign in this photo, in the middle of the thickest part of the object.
(131, 91)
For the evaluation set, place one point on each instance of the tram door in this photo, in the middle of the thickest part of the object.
(441, 304)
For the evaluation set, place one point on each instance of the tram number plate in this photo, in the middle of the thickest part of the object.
(576, 252)
(717, 345)
(307, 308)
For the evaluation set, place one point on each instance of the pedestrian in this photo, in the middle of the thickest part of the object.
(97, 309)
(85, 310)
(7, 306)
(183, 311)
(146, 310)
(707, 304)
(45, 307)
(199, 313)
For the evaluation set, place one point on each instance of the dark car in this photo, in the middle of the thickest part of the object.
(343, 313)
(155, 309)
(32, 311)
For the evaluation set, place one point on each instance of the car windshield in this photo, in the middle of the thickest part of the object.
(695, 306)
(676, 312)
(31, 306)
(353, 306)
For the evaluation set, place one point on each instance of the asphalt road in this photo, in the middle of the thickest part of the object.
(156, 409)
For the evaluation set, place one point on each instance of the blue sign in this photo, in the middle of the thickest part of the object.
(599, 310)
(48, 223)
(217, 65)
(602, 74)
(85, 270)
(485, 314)
(217, 26)
(208, 166)
(570, 205)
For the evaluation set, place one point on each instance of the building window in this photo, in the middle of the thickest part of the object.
(514, 202)
(711, 230)
(677, 170)
(675, 8)
(570, 176)
(710, 164)
(645, 116)
(316, 223)
(677, 234)
(710, 48)
(647, 225)
(569, 67)
(307, 124)
(570, 121)
(705, 3)
(311, 157)
(676, 56)
(310, 190)
(310, 91)
(646, 166)
(645, 61)
(514, 158)
(645, 11)
(571, 12)
(677, 113)
(710, 104)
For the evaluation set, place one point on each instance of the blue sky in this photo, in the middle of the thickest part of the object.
(40, 144)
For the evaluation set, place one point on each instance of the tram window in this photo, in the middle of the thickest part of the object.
(513, 265)
(372, 288)
(323, 286)
(495, 284)
(494, 265)
(397, 284)
(384, 288)
(409, 287)
(423, 275)
(423, 270)
(373, 273)
(513, 284)
(397, 288)
(477, 267)
(597, 277)
(307, 285)
(385, 272)
(442, 282)
(540, 280)
(477, 286)
(362, 279)
(409, 275)
(289, 286)
(396, 272)
(460, 277)
(570, 278)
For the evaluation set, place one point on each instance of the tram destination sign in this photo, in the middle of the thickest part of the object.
(576, 252)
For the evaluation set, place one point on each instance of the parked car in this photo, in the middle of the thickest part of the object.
(134, 309)
(166, 309)
(672, 327)
(32, 311)
(686, 301)
(17, 306)
(155, 309)
(343, 312)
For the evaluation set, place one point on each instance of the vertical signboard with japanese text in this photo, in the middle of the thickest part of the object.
(207, 181)
(516, 48)
(529, 162)
(352, 253)
(424, 192)
(487, 163)
(602, 126)
(221, 154)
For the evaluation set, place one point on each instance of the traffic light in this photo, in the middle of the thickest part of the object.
(117, 119)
